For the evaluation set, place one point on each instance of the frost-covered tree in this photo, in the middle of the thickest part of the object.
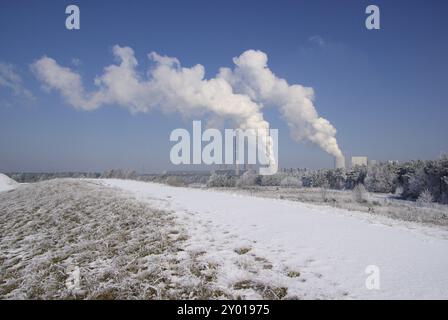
(360, 193)
(248, 179)
(416, 176)
(272, 180)
(417, 183)
(317, 179)
(380, 178)
(354, 176)
(221, 180)
(291, 181)
(425, 197)
(336, 178)
(119, 174)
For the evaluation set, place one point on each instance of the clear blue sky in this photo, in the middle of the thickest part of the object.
(384, 90)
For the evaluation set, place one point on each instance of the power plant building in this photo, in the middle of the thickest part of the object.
(359, 161)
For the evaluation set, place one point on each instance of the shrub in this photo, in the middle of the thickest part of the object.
(425, 197)
(272, 180)
(360, 194)
(291, 181)
(248, 179)
(324, 192)
(398, 191)
(221, 180)
(175, 181)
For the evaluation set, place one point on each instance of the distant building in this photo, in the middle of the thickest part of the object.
(359, 161)
(373, 162)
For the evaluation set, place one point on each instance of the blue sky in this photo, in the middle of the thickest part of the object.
(384, 90)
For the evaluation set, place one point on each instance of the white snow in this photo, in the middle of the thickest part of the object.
(255, 240)
(7, 183)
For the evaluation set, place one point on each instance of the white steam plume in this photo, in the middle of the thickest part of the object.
(252, 77)
(235, 95)
(168, 87)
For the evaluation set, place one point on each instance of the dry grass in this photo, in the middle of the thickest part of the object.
(124, 248)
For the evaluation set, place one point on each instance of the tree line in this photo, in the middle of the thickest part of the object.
(410, 180)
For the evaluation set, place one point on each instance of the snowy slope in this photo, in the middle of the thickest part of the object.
(7, 183)
(312, 251)
(122, 248)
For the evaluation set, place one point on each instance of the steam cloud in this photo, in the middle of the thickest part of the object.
(236, 95)
(252, 77)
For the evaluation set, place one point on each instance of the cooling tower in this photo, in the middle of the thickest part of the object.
(339, 162)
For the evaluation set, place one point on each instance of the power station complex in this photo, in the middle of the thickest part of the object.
(354, 161)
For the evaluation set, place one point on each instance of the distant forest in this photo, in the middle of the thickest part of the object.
(409, 180)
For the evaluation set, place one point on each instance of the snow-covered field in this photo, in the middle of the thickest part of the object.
(329, 247)
(133, 239)
(373, 203)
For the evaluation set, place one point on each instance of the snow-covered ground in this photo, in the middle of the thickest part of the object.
(120, 248)
(301, 250)
(373, 203)
(138, 240)
(7, 183)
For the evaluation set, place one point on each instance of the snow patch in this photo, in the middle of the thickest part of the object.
(6, 183)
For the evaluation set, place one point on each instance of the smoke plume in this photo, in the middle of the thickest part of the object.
(252, 77)
(236, 95)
